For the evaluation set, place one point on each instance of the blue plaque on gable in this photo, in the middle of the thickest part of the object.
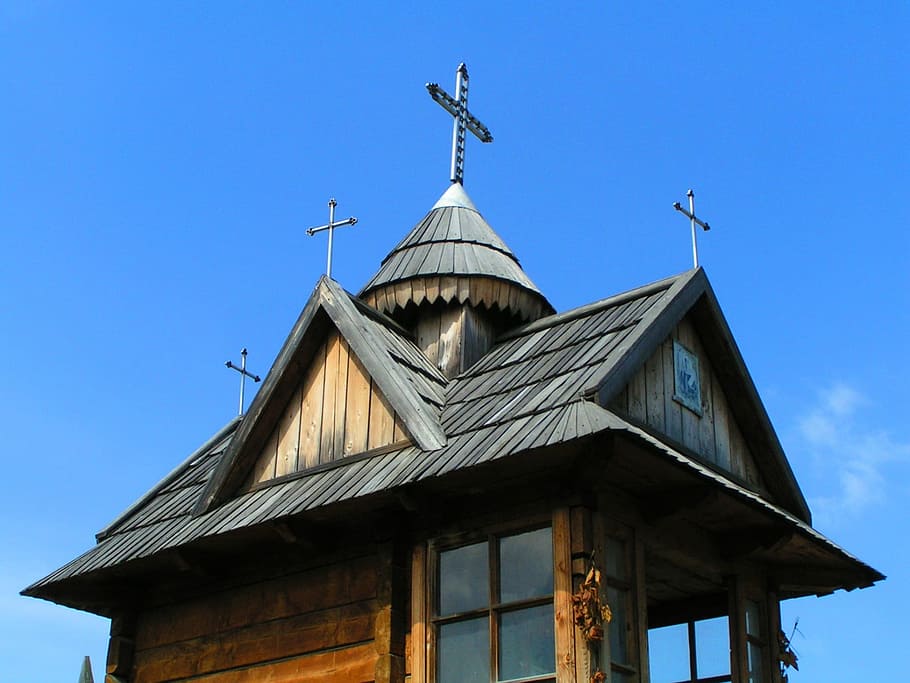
(686, 385)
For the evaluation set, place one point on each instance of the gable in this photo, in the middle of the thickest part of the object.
(387, 356)
(337, 410)
(707, 427)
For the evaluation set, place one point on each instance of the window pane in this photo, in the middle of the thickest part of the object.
(525, 565)
(619, 625)
(712, 644)
(616, 558)
(463, 579)
(668, 650)
(464, 652)
(753, 619)
(526, 643)
(754, 656)
(622, 677)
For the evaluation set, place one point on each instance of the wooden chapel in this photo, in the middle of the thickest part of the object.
(443, 480)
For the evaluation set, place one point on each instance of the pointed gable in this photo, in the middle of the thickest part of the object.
(337, 410)
(707, 426)
(688, 313)
(387, 373)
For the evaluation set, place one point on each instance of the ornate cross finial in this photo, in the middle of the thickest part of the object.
(244, 373)
(458, 107)
(695, 221)
(330, 226)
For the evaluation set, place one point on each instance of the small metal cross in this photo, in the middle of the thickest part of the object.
(458, 107)
(330, 226)
(244, 373)
(694, 221)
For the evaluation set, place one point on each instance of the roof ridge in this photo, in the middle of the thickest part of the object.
(587, 309)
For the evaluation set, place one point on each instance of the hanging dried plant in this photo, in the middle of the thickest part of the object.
(787, 654)
(598, 677)
(590, 613)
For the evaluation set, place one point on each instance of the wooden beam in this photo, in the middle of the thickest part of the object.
(743, 542)
(669, 502)
(680, 611)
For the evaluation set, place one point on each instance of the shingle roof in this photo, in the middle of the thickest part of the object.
(409, 381)
(539, 386)
(453, 240)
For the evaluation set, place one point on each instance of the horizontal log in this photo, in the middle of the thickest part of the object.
(355, 664)
(279, 639)
(315, 589)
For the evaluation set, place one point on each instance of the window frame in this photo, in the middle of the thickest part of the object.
(425, 581)
(636, 668)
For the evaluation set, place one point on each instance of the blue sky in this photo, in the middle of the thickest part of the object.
(159, 164)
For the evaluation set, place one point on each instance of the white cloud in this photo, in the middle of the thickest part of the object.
(856, 461)
(842, 400)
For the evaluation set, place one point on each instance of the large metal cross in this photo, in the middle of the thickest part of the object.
(330, 226)
(694, 221)
(464, 120)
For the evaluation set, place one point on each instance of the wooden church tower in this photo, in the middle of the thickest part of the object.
(442, 480)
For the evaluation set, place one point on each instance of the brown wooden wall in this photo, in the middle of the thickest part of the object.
(336, 411)
(316, 625)
(714, 435)
(454, 337)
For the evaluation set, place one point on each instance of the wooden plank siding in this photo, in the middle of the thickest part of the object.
(318, 624)
(336, 411)
(714, 435)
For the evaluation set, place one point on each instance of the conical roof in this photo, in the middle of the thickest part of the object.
(454, 242)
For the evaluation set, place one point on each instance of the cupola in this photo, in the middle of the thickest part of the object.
(455, 284)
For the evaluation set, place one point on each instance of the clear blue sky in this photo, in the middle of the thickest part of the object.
(160, 162)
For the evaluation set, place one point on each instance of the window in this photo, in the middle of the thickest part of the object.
(619, 588)
(693, 652)
(493, 610)
(755, 642)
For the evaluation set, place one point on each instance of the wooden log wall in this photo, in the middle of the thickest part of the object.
(336, 411)
(714, 434)
(316, 625)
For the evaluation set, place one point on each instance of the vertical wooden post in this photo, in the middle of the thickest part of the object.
(774, 627)
(737, 622)
(562, 596)
(389, 636)
(120, 649)
(641, 606)
(418, 661)
(587, 538)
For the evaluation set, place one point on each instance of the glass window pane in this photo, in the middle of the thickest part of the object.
(463, 579)
(616, 558)
(622, 677)
(526, 565)
(618, 627)
(464, 652)
(753, 619)
(526, 643)
(668, 650)
(754, 657)
(712, 647)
